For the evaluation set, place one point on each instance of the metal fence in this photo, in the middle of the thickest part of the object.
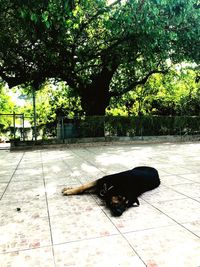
(131, 126)
(101, 126)
(12, 125)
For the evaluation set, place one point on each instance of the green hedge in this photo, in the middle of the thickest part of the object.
(91, 126)
(152, 125)
(97, 126)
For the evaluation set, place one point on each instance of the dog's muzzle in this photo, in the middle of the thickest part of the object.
(117, 210)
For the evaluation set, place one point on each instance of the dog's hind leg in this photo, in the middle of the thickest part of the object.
(79, 190)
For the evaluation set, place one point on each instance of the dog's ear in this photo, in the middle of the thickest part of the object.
(133, 202)
(137, 202)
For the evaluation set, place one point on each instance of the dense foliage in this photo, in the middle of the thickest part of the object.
(176, 93)
(100, 50)
(6, 107)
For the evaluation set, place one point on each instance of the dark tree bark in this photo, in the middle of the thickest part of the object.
(95, 97)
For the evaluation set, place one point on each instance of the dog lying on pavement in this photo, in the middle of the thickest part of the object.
(120, 191)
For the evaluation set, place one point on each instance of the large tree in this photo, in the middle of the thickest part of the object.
(100, 48)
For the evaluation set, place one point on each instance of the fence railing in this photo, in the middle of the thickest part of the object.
(102, 126)
(16, 125)
(97, 126)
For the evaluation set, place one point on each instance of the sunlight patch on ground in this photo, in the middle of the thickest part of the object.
(88, 168)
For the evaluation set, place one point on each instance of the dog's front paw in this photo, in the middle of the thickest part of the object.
(66, 191)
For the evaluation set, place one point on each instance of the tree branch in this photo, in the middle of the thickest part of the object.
(11, 81)
(95, 16)
(136, 83)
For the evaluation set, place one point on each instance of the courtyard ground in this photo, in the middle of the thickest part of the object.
(40, 227)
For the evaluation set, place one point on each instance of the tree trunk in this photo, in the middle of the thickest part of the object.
(95, 99)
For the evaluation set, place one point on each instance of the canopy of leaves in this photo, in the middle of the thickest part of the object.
(53, 102)
(176, 93)
(6, 107)
(100, 49)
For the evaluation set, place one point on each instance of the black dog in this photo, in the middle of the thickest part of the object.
(121, 190)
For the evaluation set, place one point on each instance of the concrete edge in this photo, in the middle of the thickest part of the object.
(96, 141)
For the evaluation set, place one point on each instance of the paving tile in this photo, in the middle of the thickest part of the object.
(27, 178)
(5, 178)
(107, 251)
(29, 172)
(2, 188)
(9, 163)
(78, 225)
(62, 205)
(194, 227)
(55, 168)
(193, 166)
(41, 257)
(25, 191)
(173, 169)
(83, 229)
(62, 181)
(162, 193)
(33, 208)
(89, 172)
(49, 156)
(29, 165)
(181, 210)
(22, 232)
(29, 195)
(194, 177)
(116, 162)
(171, 180)
(6, 171)
(191, 189)
(25, 185)
(166, 247)
(141, 218)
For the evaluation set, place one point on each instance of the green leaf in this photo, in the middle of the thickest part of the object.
(34, 17)
(45, 16)
(48, 24)
(23, 13)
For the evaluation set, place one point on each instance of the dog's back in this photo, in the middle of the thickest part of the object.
(147, 178)
(132, 182)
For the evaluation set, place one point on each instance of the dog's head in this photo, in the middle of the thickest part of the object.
(114, 200)
(117, 204)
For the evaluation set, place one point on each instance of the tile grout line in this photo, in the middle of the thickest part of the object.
(134, 249)
(178, 223)
(84, 239)
(122, 234)
(119, 232)
(24, 249)
(148, 203)
(184, 195)
(49, 219)
(12, 176)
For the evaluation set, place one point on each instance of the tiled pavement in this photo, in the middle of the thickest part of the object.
(51, 230)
